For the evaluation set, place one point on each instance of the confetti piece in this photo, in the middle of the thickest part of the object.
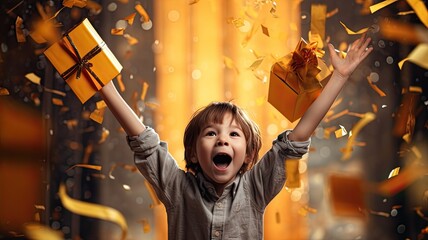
(4, 91)
(57, 101)
(382, 214)
(117, 31)
(229, 63)
(20, 37)
(104, 135)
(89, 166)
(265, 30)
(350, 32)
(88, 150)
(304, 210)
(74, 3)
(337, 115)
(120, 82)
(420, 9)
(142, 12)
(144, 91)
(130, 19)
(33, 78)
(394, 172)
(328, 131)
(126, 187)
(293, 175)
(101, 104)
(256, 63)
(236, 22)
(153, 196)
(71, 124)
(318, 18)
(127, 167)
(36, 231)
(418, 56)
(145, 224)
(405, 13)
(131, 40)
(375, 87)
(97, 115)
(63, 94)
(332, 13)
(340, 132)
(94, 7)
(93, 210)
(40, 207)
(376, 7)
(368, 117)
(193, 2)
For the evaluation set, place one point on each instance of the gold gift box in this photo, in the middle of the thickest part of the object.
(83, 60)
(295, 80)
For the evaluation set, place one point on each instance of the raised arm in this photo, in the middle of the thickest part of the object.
(343, 68)
(121, 110)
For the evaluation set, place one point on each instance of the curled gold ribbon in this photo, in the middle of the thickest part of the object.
(93, 210)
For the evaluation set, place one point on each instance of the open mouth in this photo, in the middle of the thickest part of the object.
(222, 160)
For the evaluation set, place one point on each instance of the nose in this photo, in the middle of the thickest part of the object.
(222, 141)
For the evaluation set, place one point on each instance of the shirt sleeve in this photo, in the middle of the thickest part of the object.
(266, 179)
(153, 160)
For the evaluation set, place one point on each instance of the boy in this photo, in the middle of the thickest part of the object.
(224, 193)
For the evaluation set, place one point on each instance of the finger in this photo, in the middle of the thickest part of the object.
(364, 46)
(332, 51)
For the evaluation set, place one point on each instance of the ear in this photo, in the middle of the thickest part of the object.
(194, 159)
(249, 158)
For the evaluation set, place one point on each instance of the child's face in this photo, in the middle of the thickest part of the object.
(221, 151)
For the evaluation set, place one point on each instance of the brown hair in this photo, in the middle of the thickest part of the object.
(214, 113)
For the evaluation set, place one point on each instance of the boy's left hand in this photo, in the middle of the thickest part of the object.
(356, 53)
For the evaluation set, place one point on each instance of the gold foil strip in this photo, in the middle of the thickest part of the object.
(93, 210)
(378, 6)
(368, 117)
(89, 166)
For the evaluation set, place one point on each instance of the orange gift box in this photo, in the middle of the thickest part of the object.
(83, 60)
(295, 80)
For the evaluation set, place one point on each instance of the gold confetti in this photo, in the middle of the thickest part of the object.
(420, 9)
(405, 13)
(36, 231)
(33, 78)
(63, 94)
(145, 224)
(71, 124)
(418, 56)
(337, 115)
(256, 63)
(142, 12)
(89, 166)
(229, 63)
(318, 18)
(74, 3)
(4, 91)
(340, 132)
(394, 172)
(101, 104)
(131, 40)
(93, 210)
(117, 31)
(20, 37)
(97, 115)
(130, 19)
(120, 82)
(378, 6)
(237, 22)
(104, 135)
(57, 101)
(332, 13)
(144, 91)
(265, 30)
(376, 88)
(350, 32)
(368, 117)
(293, 175)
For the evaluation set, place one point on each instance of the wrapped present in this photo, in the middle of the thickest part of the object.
(83, 60)
(295, 80)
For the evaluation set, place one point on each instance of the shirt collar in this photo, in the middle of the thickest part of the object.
(208, 190)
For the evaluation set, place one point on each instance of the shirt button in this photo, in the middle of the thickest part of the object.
(217, 233)
(220, 205)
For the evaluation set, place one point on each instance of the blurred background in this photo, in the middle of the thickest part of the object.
(363, 178)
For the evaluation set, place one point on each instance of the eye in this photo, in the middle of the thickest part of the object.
(235, 134)
(210, 133)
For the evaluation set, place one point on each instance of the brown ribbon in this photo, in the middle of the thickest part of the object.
(81, 63)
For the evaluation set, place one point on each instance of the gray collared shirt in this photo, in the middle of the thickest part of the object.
(194, 209)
